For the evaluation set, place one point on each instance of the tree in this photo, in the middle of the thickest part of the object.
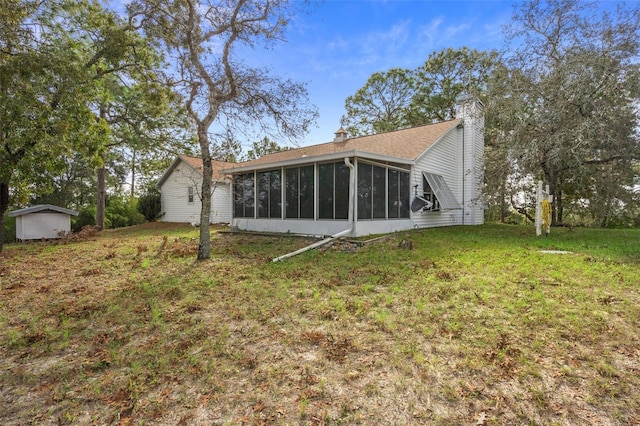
(263, 147)
(444, 76)
(225, 147)
(138, 110)
(142, 114)
(383, 104)
(46, 80)
(401, 98)
(567, 104)
(201, 39)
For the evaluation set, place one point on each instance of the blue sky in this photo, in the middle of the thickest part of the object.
(338, 44)
(336, 47)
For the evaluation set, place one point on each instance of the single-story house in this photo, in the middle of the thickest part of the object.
(419, 177)
(43, 221)
(180, 187)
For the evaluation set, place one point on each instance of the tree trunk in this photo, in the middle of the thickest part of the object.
(100, 201)
(559, 207)
(133, 174)
(4, 205)
(503, 206)
(204, 248)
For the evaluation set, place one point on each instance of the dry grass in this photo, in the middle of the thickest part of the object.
(473, 326)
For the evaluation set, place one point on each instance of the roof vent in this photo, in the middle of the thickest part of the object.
(341, 135)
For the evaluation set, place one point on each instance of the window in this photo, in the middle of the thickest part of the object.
(428, 195)
(379, 192)
(437, 191)
(383, 192)
(190, 195)
(398, 191)
(243, 191)
(299, 192)
(372, 195)
(333, 191)
(270, 194)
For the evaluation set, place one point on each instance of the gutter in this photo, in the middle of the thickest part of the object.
(315, 159)
(352, 179)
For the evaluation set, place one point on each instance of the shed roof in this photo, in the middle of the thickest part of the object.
(42, 208)
(406, 144)
(196, 164)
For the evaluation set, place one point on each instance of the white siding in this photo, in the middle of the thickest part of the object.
(175, 197)
(443, 158)
(446, 158)
(474, 164)
(35, 226)
(221, 203)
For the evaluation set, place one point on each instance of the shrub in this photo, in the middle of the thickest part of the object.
(149, 204)
(9, 229)
(121, 212)
(86, 216)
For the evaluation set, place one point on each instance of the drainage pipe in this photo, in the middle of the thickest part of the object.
(339, 234)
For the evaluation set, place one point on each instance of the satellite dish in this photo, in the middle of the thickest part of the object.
(420, 203)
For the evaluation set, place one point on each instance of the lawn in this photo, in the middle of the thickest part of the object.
(473, 326)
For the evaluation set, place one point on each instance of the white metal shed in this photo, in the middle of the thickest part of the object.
(42, 221)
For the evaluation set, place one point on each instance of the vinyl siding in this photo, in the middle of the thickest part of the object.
(36, 226)
(175, 197)
(443, 158)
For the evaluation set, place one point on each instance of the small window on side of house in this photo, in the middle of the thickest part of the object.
(190, 195)
(429, 195)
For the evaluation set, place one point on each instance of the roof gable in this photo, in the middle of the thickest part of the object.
(42, 208)
(406, 144)
(196, 164)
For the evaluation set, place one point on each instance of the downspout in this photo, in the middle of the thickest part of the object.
(339, 234)
(464, 154)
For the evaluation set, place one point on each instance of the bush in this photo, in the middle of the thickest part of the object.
(9, 229)
(121, 212)
(149, 204)
(86, 216)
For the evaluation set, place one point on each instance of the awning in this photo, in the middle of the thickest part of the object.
(442, 192)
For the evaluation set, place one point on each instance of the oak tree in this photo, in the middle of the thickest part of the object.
(567, 106)
(203, 41)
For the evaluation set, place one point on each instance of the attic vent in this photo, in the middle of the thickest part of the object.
(341, 135)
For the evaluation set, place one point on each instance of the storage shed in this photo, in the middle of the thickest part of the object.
(42, 221)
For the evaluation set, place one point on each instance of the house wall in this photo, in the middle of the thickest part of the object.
(293, 226)
(443, 158)
(36, 226)
(369, 227)
(175, 198)
(458, 157)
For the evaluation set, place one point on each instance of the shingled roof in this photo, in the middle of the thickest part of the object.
(406, 144)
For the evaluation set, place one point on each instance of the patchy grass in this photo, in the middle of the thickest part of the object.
(473, 326)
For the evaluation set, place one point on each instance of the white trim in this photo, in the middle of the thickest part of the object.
(317, 159)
